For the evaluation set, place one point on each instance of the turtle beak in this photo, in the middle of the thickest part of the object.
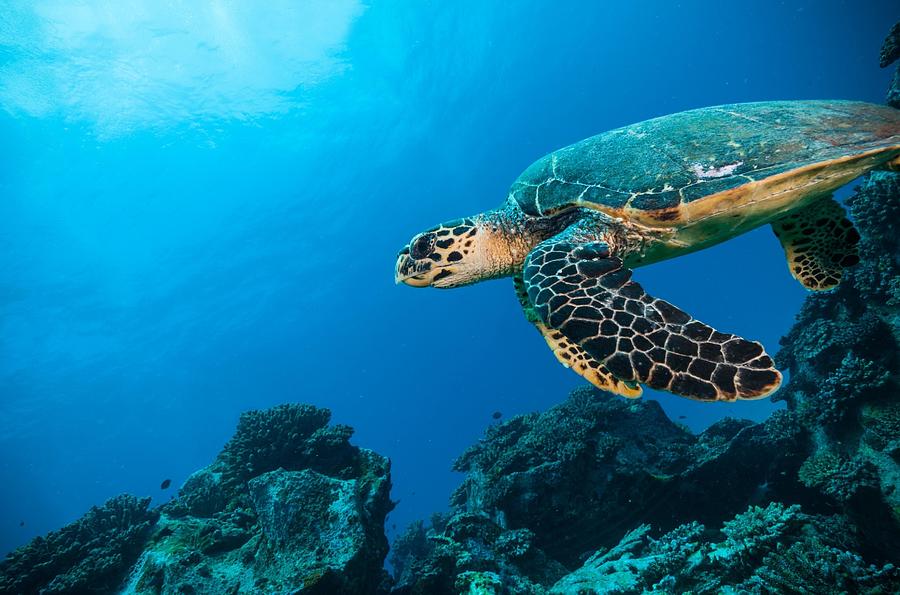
(411, 272)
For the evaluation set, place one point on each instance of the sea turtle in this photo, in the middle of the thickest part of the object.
(579, 219)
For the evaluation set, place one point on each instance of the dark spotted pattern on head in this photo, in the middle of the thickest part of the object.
(442, 273)
(819, 242)
(585, 293)
(427, 258)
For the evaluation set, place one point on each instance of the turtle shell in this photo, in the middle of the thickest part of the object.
(660, 165)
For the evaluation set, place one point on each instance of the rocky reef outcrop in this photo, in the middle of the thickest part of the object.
(542, 491)
(91, 555)
(288, 505)
(775, 549)
(604, 495)
(890, 52)
(843, 358)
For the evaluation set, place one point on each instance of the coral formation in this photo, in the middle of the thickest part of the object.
(776, 549)
(288, 504)
(545, 491)
(586, 469)
(771, 549)
(90, 555)
(890, 51)
(842, 357)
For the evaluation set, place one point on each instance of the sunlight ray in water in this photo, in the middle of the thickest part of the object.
(122, 66)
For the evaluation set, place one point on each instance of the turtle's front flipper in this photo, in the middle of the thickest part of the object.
(819, 242)
(586, 293)
(571, 355)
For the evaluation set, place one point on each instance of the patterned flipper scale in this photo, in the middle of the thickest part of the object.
(586, 293)
(819, 242)
(571, 355)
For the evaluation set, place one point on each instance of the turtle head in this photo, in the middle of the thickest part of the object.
(449, 255)
(486, 246)
(464, 251)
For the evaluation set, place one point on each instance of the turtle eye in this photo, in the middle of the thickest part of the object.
(422, 246)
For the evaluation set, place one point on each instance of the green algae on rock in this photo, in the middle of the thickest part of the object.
(587, 469)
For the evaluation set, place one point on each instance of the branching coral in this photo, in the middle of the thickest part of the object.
(845, 389)
(837, 476)
(876, 209)
(812, 567)
(288, 436)
(772, 549)
(882, 423)
(758, 528)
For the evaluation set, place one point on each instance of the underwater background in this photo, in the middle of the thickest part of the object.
(201, 204)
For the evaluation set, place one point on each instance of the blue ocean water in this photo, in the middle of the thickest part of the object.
(201, 203)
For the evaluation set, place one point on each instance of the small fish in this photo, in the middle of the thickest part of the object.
(21, 523)
(497, 415)
(165, 484)
(682, 417)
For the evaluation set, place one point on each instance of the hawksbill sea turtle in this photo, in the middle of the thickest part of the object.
(579, 219)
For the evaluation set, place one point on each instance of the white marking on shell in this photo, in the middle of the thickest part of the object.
(714, 172)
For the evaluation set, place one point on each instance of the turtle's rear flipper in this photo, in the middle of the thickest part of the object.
(571, 355)
(819, 242)
(587, 294)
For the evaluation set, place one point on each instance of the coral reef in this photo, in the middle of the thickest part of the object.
(289, 504)
(771, 549)
(890, 51)
(596, 495)
(543, 492)
(92, 554)
(581, 473)
(776, 549)
(842, 356)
